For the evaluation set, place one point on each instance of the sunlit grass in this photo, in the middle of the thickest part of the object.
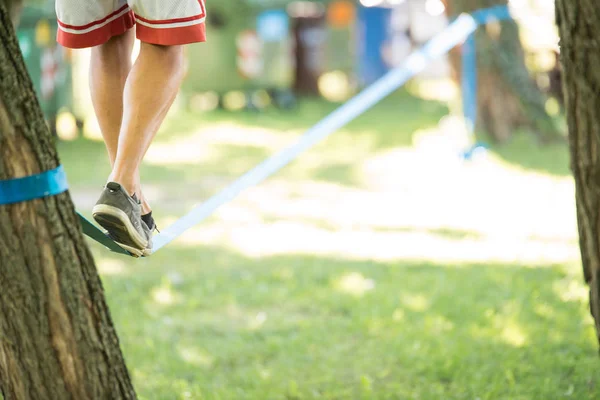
(253, 328)
(523, 152)
(376, 266)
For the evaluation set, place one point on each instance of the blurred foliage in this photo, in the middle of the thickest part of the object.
(49, 3)
(241, 9)
(273, 3)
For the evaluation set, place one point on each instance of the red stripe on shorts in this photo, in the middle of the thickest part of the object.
(97, 36)
(172, 36)
(97, 22)
(174, 20)
(169, 21)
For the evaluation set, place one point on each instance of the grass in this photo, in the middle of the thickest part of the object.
(332, 280)
(552, 159)
(212, 324)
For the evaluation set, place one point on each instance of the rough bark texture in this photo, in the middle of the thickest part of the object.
(57, 340)
(508, 98)
(579, 26)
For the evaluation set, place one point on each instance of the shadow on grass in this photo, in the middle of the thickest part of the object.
(524, 151)
(86, 163)
(340, 173)
(392, 122)
(212, 323)
(87, 166)
(446, 233)
(389, 124)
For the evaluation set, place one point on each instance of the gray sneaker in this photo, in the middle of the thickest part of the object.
(120, 214)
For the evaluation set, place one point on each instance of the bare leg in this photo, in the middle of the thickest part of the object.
(150, 90)
(109, 67)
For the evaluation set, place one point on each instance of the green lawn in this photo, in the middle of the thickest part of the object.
(281, 295)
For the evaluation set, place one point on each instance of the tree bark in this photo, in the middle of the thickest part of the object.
(508, 98)
(579, 28)
(57, 339)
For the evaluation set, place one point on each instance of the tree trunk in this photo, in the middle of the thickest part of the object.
(309, 52)
(57, 339)
(579, 28)
(508, 98)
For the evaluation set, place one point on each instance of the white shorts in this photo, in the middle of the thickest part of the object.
(87, 23)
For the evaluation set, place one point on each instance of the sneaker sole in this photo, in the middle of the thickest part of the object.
(118, 224)
(136, 252)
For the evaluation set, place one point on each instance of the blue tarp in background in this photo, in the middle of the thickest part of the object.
(373, 25)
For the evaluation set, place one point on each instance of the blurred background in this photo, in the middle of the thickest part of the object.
(408, 256)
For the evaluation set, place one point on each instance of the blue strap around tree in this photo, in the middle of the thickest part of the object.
(469, 82)
(18, 190)
(469, 62)
(45, 184)
(469, 71)
(496, 13)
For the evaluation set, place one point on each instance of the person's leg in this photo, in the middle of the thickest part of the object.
(110, 64)
(150, 90)
(151, 87)
(163, 28)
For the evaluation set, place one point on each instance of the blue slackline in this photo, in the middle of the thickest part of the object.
(46, 184)
(54, 182)
(416, 62)
(93, 232)
(460, 30)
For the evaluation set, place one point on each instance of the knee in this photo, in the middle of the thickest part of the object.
(171, 57)
(117, 46)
